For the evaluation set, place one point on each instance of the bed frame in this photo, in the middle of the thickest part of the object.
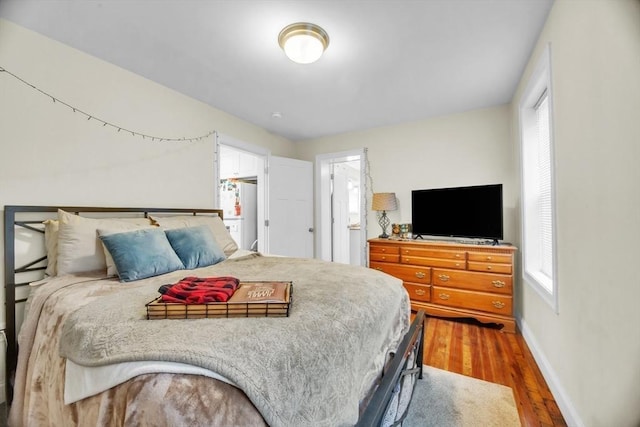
(19, 220)
(394, 372)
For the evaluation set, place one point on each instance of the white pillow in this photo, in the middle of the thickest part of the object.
(51, 227)
(219, 230)
(79, 248)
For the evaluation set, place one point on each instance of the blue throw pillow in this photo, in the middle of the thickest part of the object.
(195, 246)
(141, 253)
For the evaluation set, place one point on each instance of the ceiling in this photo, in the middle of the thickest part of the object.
(388, 62)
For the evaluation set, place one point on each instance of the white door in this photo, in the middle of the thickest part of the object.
(340, 213)
(290, 210)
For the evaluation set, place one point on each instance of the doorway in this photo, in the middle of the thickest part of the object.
(341, 207)
(284, 192)
(241, 182)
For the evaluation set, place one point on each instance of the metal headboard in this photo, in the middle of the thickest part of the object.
(14, 275)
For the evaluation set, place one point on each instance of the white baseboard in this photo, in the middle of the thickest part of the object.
(559, 394)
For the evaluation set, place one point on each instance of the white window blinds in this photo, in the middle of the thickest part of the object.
(538, 204)
(544, 186)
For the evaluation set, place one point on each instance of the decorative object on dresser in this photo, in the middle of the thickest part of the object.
(452, 279)
(384, 202)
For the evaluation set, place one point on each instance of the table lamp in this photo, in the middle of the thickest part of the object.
(384, 202)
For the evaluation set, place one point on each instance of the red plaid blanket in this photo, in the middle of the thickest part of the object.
(200, 290)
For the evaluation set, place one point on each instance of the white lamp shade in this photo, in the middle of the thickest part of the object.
(384, 202)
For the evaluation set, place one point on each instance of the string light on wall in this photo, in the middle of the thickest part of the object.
(104, 122)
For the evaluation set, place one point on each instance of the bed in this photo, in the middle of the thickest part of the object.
(346, 354)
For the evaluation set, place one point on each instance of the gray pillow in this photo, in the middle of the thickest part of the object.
(141, 253)
(195, 246)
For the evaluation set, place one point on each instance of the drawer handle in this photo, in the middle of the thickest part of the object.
(443, 277)
(420, 292)
(497, 304)
(498, 284)
(383, 257)
(384, 250)
(489, 258)
(420, 274)
(457, 264)
(444, 296)
(457, 255)
(407, 260)
(488, 267)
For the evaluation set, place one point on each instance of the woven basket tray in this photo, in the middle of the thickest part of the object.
(157, 309)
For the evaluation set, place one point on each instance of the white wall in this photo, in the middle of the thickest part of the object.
(52, 156)
(591, 349)
(470, 148)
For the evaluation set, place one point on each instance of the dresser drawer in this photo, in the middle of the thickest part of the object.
(485, 282)
(490, 267)
(418, 292)
(384, 249)
(433, 253)
(433, 262)
(382, 257)
(383, 266)
(408, 273)
(491, 303)
(491, 258)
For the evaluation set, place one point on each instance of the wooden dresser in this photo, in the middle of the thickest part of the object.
(451, 279)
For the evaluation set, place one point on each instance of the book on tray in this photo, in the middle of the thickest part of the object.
(260, 292)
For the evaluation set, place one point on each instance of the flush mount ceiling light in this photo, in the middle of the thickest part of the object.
(303, 42)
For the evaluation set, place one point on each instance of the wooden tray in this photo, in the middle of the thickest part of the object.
(157, 309)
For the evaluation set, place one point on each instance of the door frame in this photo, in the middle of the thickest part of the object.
(262, 177)
(323, 201)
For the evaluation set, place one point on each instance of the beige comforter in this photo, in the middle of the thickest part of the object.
(377, 317)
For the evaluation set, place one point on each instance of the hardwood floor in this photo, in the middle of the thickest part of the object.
(468, 348)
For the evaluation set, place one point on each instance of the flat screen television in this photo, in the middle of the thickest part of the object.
(468, 212)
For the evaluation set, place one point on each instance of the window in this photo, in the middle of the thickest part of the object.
(538, 218)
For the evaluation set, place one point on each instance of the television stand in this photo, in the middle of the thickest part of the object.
(452, 279)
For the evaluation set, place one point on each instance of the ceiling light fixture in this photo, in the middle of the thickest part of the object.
(303, 42)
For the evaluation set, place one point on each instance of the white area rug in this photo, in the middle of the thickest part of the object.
(445, 399)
